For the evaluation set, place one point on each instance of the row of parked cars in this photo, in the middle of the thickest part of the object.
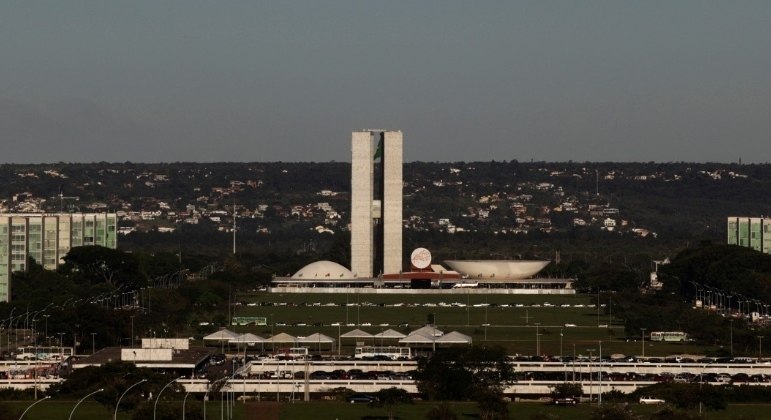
(338, 374)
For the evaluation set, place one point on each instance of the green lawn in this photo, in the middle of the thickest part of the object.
(90, 410)
(317, 410)
(526, 410)
(512, 327)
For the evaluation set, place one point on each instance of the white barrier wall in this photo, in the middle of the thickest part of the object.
(145, 355)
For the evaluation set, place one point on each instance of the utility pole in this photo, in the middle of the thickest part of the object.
(537, 340)
(591, 378)
(731, 321)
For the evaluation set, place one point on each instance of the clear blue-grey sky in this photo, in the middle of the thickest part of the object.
(186, 80)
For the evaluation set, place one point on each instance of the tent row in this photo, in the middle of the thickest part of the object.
(424, 335)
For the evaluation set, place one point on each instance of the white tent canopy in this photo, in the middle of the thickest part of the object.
(389, 334)
(418, 338)
(357, 333)
(281, 338)
(454, 337)
(316, 338)
(221, 335)
(247, 338)
(428, 330)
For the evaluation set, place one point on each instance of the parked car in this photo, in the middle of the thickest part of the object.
(651, 400)
(567, 401)
(360, 398)
(26, 356)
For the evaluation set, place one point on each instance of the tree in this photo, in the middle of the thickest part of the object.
(491, 404)
(441, 412)
(464, 373)
(614, 412)
(390, 398)
(566, 390)
(95, 264)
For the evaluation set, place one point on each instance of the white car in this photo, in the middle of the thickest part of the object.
(651, 400)
(26, 356)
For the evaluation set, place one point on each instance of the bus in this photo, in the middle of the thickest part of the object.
(46, 353)
(247, 320)
(382, 352)
(292, 353)
(669, 336)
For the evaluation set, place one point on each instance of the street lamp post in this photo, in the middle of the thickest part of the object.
(93, 342)
(643, 341)
(537, 340)
(562, 359)
(591, 377)
(599, 378)
(115, 415)
(33, 404)
(184, 401)
(81, 400)
(155, 406)
(760, 347)
(46, 317)
(731, 321)
(561, 356)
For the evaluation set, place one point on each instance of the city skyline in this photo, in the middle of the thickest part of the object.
(246, 81)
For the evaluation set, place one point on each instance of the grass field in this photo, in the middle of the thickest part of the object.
(513, 327)
(90, 410)
(56, 410)
(341, 411)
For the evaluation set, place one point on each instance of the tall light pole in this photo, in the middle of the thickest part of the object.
(115, 415)
(599, 378)
(537, 340)
(132, 330)
(562, 359)
(46, 317)
(155, 406)
(206, 395)
(731, 321)
(184, 401)
(760, 346)
(643, 341)
(81, 400)
(598, 307)
(61, 346)
(33, 404)
(591, 378)
(93, 342)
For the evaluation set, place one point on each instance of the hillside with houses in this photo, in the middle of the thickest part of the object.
(506, 208)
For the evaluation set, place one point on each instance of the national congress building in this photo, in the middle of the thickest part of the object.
(376, 202)
(47, 238)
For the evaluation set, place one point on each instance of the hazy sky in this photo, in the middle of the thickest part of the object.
(150, 81)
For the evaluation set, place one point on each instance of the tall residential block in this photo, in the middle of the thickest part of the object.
(750, 232)
(47, 238)
(376, 203)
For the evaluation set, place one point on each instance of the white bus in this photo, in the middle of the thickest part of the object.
(465, 285)
(383, 352)
(669, 336)
(292, 353)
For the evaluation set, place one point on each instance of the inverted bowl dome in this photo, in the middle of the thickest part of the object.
(498, 269)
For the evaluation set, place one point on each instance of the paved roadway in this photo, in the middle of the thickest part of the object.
(297, 388)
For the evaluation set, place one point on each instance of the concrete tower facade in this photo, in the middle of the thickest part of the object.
(376, 212)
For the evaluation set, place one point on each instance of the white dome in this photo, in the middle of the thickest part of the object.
(321, 270)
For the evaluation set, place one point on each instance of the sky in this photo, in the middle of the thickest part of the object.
(254, 81)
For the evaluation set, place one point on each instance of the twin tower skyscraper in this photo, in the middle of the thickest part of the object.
(376, 202)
